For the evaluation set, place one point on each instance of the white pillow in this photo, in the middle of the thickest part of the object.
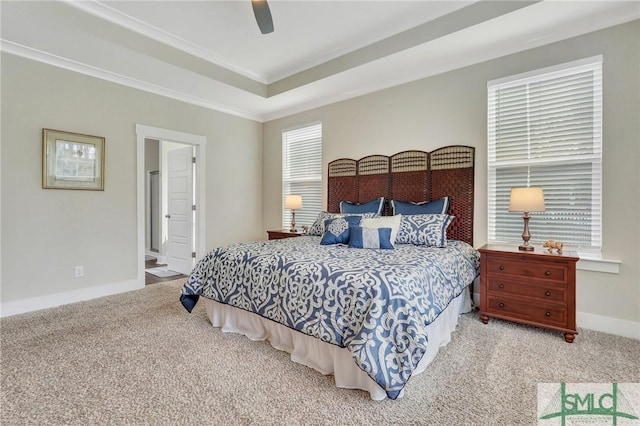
(392, 222)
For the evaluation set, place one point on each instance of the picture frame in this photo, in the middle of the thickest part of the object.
(72, 160)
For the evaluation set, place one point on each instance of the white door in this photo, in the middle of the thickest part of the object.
(180, 210)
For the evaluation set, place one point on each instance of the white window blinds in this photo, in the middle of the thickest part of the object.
(302, 173)
(545, 130)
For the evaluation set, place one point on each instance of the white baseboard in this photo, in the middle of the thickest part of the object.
(609, 325)
(58, 299)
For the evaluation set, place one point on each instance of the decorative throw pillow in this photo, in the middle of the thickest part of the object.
(317, 228)
(373, 206)
(392, 222)
(337, 230)
(439, 206)
(424, 229)
(372, 238)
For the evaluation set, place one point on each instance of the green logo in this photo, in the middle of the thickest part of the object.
(588, 400)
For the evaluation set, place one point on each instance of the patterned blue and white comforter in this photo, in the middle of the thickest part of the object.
(375, 303)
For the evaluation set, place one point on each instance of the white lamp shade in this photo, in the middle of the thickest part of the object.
(526, 200)
(293, 202)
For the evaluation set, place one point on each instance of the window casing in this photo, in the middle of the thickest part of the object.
(545, 130)
(302, 172)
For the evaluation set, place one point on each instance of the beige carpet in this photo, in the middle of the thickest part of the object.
(140, 358)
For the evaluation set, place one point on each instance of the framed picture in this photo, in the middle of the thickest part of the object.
(72, 161)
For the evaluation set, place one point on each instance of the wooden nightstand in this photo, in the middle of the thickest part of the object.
(536, 288)
(282, 233)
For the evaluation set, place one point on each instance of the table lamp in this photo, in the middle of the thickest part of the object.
(293, 202)
(526, 200)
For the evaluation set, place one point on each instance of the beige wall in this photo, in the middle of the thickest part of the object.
(45, 233)
(451, 109)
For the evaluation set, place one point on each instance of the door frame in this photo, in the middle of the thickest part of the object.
(200, 142)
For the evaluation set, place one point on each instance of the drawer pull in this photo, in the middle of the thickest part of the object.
(547, 314)
(501, 268)
(502, 305)
(547, 273)
(548, 293)
(501, 286)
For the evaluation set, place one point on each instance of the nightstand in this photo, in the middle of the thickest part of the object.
(535, 288)
(282, 233)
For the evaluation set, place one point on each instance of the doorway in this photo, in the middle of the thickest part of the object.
(170, 139)
(170, 219)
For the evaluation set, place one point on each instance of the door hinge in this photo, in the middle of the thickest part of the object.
(193, 207)
(193, 160)
(193, 254)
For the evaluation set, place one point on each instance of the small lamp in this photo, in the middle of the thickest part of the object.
(293, 202)
(526, 200)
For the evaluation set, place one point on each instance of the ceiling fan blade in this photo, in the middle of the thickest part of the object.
(263, 16)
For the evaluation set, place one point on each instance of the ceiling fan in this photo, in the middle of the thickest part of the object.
(263, 16)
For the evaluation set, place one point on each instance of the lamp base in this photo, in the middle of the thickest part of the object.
(525, 234)
(293, 221)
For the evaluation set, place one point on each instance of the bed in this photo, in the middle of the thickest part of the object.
(372, 317)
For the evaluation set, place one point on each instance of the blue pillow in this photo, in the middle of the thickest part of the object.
(373, 206)
(440, 206)
(424, 229)
(373, 238)
(336, 231)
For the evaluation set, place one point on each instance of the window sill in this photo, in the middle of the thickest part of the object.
(595, 263)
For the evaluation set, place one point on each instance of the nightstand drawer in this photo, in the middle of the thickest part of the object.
(552, 293)
(540, 270)
(552, 315)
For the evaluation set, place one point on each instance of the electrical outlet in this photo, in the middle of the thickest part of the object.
(79, 271)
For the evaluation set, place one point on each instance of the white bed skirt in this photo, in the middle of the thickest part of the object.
(325, 357)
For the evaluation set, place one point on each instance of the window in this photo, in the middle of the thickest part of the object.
(302, 173)
(545, 130)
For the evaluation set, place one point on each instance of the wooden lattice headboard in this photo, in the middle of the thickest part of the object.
(410, 176)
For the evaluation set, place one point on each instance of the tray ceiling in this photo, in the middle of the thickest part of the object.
(211, 53)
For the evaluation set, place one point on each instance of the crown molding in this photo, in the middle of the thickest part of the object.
(81, 68)
(121, 19)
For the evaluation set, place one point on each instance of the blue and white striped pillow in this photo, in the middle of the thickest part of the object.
(371, 238)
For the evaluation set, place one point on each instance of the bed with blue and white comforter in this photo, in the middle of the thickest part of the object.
(374, 303)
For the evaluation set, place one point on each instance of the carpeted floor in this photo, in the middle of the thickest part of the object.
(140, 358)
